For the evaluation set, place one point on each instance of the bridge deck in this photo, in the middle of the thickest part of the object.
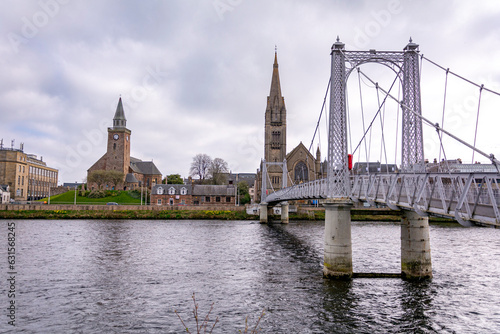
(466, 197)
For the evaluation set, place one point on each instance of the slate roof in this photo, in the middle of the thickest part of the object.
(130, 178)
(373, 167)
(119, 114)
(213, 190)
(144, 167)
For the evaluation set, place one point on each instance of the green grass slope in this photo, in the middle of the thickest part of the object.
(120, 197)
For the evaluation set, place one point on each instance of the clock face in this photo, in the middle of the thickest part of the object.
(115, 136)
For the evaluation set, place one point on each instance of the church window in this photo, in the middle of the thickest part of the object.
(171, 191)
(301, 172)
(276, 139)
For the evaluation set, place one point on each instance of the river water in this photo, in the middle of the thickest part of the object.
(129, 276)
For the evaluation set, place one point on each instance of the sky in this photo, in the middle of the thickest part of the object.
(194, 76)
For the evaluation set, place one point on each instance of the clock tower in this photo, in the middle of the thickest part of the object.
(118, 153)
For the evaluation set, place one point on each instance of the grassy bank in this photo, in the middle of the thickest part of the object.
(357, 215)
(117, 196)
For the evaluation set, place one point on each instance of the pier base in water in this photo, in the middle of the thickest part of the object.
(415, 247)
(338, 246)
(263, 213)
(284, 213)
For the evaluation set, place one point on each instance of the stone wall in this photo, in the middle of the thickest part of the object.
(118, 207)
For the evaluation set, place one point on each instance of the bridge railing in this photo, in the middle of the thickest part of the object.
(465, 197)
(462, 196)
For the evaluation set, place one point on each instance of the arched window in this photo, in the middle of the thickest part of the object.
(171, 191)
(159, 190)
(301, 172)
(183, 191)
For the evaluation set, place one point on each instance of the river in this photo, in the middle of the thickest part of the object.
(129, 276)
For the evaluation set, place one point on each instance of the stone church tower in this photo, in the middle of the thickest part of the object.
(302, 166)
(275, 124)
(119, 142)
(275, 128)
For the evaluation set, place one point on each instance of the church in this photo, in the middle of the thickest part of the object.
(137, 173)
(302, 166)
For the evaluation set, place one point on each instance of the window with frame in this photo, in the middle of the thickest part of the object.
(159, 190)
(159, 201)
(171, 191)
(207, 198)
(228, 199)
(217, 199)
(183, 191)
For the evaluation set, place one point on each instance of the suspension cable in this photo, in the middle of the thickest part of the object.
(477, 118)
(383, 102)
(461, 77)
(363, 121)
(382, 121)
(321, 113)
(441, 148)
(492, 158)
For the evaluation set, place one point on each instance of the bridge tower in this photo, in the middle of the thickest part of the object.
(415, 247)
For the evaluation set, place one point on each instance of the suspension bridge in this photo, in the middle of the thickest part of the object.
(469, 194)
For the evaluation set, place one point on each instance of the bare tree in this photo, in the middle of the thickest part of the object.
(101, 177)
(115, 177)
(200, 166)
(218, 170)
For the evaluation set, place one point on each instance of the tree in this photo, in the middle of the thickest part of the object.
(98, 177)
(174, 179)
(243, 192)
(218, 170)
(200, 166)
(101, 177)
(114, 177)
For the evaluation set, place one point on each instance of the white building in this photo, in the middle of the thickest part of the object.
(4, 194)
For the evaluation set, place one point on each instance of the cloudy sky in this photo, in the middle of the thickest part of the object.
(194, 75)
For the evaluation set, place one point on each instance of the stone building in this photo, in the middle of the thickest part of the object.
(302, 166)
(196, 194)
(28, 177)
(136, 172)
(171, 194)
(214, 194)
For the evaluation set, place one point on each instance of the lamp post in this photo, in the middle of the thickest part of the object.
(75, 192)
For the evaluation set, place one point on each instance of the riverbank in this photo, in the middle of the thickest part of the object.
(38, 211)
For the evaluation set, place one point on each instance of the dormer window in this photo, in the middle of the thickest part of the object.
(159, 190)
(183, 191)
(171, 191)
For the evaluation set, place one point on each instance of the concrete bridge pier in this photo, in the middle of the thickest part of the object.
(263, 213)
(415, 247)
(284, 213)
(338, 245)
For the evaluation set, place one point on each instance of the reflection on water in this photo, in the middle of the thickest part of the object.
(130, 276)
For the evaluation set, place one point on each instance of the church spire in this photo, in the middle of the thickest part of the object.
(119, 121)
(275, 93)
